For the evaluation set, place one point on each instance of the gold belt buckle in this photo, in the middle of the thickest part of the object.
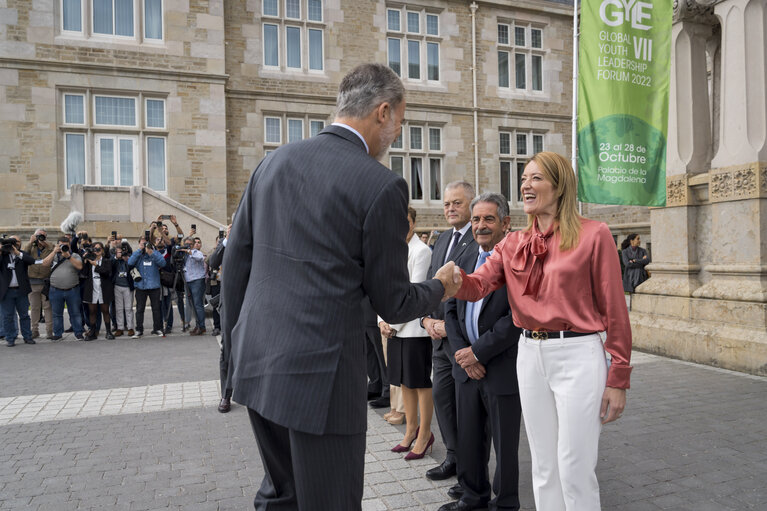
(539, 335)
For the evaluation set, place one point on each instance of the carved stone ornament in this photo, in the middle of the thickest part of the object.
(698, 11)
(747, 181)
(677, 191)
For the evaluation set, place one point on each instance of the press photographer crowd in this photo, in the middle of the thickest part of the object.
(104, 284)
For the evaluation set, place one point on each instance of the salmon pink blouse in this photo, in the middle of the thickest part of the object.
(579, 290)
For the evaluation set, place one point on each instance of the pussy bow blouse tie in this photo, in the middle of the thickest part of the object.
(534, 247)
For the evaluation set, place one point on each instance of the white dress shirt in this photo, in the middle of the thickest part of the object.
(418, 261)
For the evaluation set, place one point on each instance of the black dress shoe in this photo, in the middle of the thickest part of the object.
(373, 395)
(455, 492)
(225, 405)
(381, 402)
(460, 505)
(445, 470)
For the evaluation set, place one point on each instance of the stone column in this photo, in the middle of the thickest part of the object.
(738, 179)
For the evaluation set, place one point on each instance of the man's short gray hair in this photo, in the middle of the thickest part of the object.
(494, 198)
(468, 190)
(40, 229)
(367, 86)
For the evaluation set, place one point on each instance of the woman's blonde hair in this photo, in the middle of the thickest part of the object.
(558, 171)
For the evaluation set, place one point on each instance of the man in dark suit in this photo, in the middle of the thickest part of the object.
(321, 224)
(224, 362)
(14, 291)
(378, 381)
(450, 245)
(484, 340)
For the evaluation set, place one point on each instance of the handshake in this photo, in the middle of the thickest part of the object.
(450, 276)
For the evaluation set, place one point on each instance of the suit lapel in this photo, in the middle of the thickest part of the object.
(464, 242)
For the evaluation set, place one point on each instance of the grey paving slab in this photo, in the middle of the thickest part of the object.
(692, 437)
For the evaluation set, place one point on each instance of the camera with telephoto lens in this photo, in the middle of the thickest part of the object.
(65, 248)
(7, 244)
(89, 254)
(40, 237)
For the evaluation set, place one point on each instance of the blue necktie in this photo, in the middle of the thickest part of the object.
(473, 308)
(456, 238)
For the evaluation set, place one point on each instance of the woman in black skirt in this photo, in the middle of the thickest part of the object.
(98, 290)
(408, 354)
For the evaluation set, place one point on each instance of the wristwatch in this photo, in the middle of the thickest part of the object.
(420, 322)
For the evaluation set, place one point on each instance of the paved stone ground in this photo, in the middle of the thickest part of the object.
(132, 425)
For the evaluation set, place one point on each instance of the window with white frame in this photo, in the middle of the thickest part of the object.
(520, 56)
(114, 139)
(286, 128)
(293, 35)
(413, 43)
(515, 147)
(417, 156)
(134, 20)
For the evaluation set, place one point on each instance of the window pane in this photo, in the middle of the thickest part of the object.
(397, 144)
(517, 192)
(435, 182)
(503, 34)
(519, 36)
(413, 59)
(413, 22)
(432, 24)
(293, 42)
(102, 16)
(394, 56)
(396, 165)
(392, 20)
(271, 52)
(314, 12)
(72, 15)
(520, 67)
(521, 143)
(74, 111)
(535, 38)
(435, 139)
(416, 178)
(505, 143)
(107, 161)
(506, 179)
(432, 60)
(272, 130)
(537, 72)
(75, 149)
(153, 19)
(416, 138)
(295, 130)
(315, 127)
(315, 49)
(115, 111)
(271, 8)
(126, 162)
(155, 113)
(537, 144)
(124, 17)
(293, 9)
(503, 69)
(155, 158)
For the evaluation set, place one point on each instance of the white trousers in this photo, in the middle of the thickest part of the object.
(561, 383)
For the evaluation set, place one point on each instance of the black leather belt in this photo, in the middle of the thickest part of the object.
(542, 335)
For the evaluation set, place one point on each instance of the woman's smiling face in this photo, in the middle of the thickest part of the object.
(538, 193)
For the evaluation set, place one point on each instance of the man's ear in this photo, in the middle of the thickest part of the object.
(383, 112)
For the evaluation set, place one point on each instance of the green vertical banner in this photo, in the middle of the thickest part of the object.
(623, 94)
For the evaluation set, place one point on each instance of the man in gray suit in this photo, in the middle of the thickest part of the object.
(321, 224)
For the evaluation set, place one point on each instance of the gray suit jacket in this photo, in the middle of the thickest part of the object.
(320, 225)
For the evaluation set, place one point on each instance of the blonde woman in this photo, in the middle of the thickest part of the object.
(564, 283)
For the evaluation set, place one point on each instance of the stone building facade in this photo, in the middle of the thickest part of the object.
(124, 107)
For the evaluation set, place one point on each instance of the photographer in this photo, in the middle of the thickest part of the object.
(194, 277)
(123, 289)
(39, 248)
(158, 228)
(98, 289)
(14, 290)
(81, 244)
(172, 282)
(65, 288)
(213, 288)
(148, 263)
